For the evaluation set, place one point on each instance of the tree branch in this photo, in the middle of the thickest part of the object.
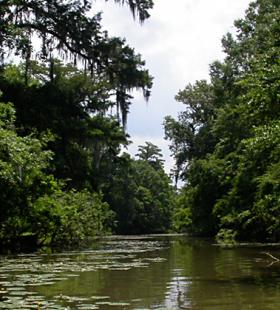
(271, 256)
(56, 35)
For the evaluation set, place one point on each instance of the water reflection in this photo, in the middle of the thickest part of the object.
(151, 272)
(218, 278)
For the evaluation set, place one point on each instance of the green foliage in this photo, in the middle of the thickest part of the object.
(251, 205)
(67, 28)
(7, 116)
(182, 214)
(226, 236)
(62, 25)
(232, 183)
(64, 218)
(267, 203)
(74, 110)
(64, 144)
(154, 199)
(23, 161)
(60, 141)
(141, 195)
(32, 202)
(151, 154)
(190, 136)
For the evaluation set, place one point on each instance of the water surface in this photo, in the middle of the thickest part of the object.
(144, 272)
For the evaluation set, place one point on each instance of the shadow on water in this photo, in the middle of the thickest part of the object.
(144, 272)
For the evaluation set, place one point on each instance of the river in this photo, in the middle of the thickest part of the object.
(144, 272)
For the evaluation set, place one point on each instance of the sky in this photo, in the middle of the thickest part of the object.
(178, 42)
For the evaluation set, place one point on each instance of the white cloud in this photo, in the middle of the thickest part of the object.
(178, 42)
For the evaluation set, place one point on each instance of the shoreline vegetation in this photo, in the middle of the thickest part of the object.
(63, 115)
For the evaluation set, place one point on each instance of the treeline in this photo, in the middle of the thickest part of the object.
(63, 111)
(227, 141)
(65, 93)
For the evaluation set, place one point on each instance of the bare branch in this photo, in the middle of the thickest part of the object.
(271, 256)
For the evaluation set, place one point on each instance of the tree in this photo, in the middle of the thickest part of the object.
(141, 195)
(230, 187)
(76, 85)
(251, 204)
(35, 204)
(62, 25)
(23, 161)
(65, 29)
(69, 218)
(190, 136)
(151, 154)
(88, 139)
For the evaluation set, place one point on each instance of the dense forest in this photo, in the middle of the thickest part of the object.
(227, 141)
(65, 93)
